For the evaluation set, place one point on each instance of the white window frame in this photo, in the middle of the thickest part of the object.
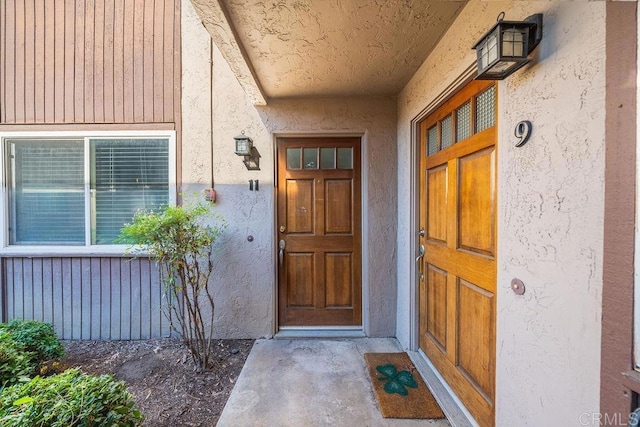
(86, 136)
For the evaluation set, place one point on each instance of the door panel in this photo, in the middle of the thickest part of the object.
(338, 271)
(338, 209)
(437, 305)
(300, 203)
(457, 211)
(437, 204)
(475, 311)
(301, 286)
(319, 267)
(476, 202)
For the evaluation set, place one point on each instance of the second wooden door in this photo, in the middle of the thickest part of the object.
(319, 198)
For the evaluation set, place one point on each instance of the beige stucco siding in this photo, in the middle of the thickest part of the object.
(245, 278)
(550, 214)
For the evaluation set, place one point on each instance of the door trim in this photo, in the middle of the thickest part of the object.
(359, 331)
(456, 85)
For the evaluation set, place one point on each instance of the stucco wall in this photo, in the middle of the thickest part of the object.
(550, 207)
(245, 278)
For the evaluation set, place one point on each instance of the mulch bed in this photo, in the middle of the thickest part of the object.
(160, 375)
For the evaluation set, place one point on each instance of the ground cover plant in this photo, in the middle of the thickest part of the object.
(69, 398)
(24, 346)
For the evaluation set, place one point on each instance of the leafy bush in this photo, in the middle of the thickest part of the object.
(69, 399)
(16, 364)
(180, 239)
(36, 337)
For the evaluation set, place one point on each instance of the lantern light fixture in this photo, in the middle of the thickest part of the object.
(506, 46)
(245, 148)
(244, 144)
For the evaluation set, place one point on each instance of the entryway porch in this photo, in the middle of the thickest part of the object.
(321, 382)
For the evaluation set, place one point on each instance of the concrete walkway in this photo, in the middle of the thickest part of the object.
(310, 383)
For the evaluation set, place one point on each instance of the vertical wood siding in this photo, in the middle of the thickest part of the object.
(109, 298)
(89, 61)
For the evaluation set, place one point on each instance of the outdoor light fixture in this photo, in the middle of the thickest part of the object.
(506, 46)
(244, 144)
(245, 148)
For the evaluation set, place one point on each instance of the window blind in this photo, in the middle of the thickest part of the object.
(47, 187)
(127, 175)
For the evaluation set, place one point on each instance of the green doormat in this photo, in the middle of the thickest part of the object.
(399, 389)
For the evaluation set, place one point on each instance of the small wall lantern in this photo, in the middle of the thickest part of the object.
(245, 148)
(506, 46)
(244, 144)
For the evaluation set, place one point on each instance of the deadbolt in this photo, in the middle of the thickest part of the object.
(282, 228)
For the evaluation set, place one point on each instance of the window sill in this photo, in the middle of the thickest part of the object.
(62, 251)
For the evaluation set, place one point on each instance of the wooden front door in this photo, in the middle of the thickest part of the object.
(319, 261)
(458, 271)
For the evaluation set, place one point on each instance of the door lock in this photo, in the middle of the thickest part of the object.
(282, 228)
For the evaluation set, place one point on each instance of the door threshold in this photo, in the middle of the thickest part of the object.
(314, 332)
(451, 405)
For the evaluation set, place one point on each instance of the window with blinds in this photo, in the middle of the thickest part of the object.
(55, 199)
(127, 176)
(47, 192)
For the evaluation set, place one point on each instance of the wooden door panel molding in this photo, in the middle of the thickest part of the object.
(476, 202)
(319, 213)
(300, 206)
(437, 305)
(475, 323)
(299, 283)
(338, 271)
(338, 206)
(470, 266)
(437, 204)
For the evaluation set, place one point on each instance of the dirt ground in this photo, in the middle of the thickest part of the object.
(160, 375)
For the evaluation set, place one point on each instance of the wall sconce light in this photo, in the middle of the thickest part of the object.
(245, 148)
(506, 46)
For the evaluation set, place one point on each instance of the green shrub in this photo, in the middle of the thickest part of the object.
(36, 337)
(69, 399)
(16, 364)
(180, 239)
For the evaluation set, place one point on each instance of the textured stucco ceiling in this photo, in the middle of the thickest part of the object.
(296, 48)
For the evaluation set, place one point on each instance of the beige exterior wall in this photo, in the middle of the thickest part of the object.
(550, 214)
(245, 278)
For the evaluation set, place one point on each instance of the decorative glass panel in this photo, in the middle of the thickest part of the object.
(513, 42)
(432, 140)
(447, 132)
(47, 198)
(129, 175)
(310, 158)
(293, 158)
(488, 51)
(485, 109)
(463, 122)
(345, 158)
(328, 158)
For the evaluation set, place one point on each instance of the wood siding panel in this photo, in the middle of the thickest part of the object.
(88, 61)
(87, 298)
